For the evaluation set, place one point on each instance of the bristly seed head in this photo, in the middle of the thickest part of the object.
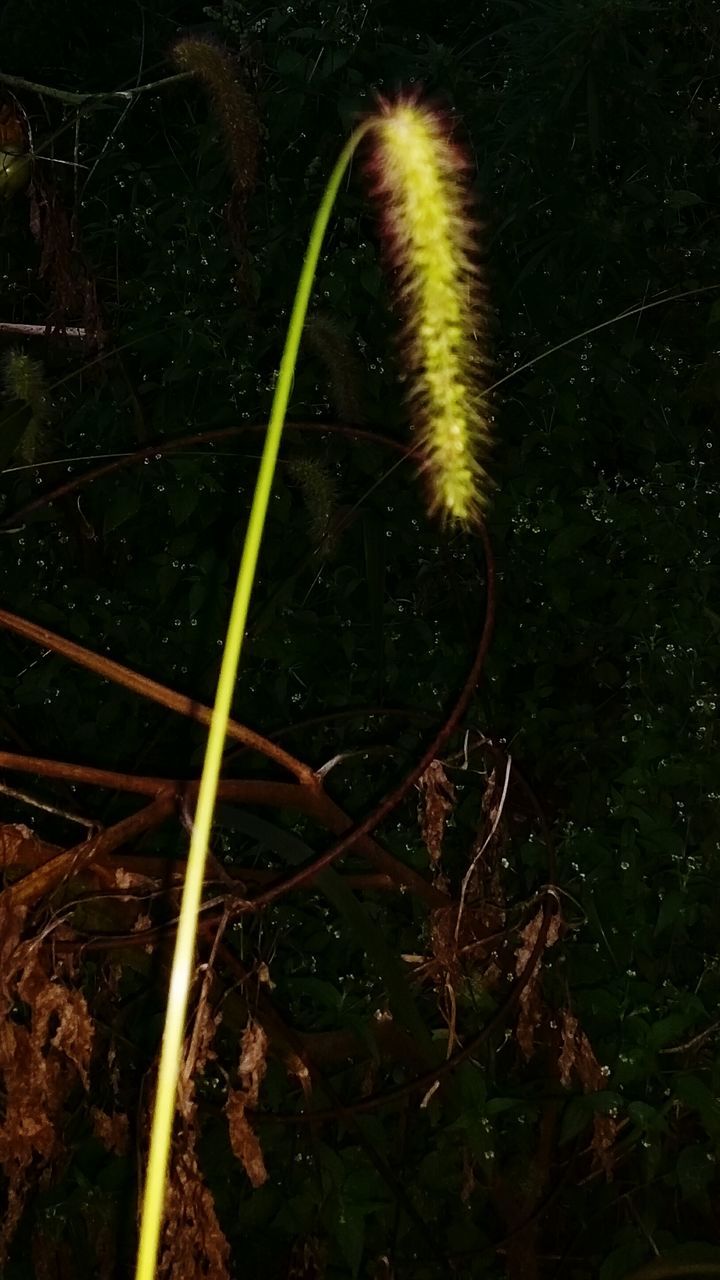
(233, 104)
(24, 379)
(417, 174)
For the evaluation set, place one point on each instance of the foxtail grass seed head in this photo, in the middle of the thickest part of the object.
(325, 338)
(319, 491)
(234, 107)
(24, 379)
(417, 174)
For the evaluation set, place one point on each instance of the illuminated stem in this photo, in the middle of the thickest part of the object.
(183, 958)
(418, 176)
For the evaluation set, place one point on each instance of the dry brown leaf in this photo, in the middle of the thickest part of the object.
(253, 1060)
(531, 1004)
(124, 879)
(40, 1061)
(437, 801)
(300, 1070)
(244, 1142)
(62, 266)
(483, 881)
(577, 1057)
(199, 1053)
(194, 1243)
(111, 1130)
(492, 799)
(12, 129)
(75, 1030)
(443, 943)
(52, 1258)
(252, 1067)
(20, 847)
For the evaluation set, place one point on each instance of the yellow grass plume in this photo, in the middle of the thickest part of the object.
(417, 173)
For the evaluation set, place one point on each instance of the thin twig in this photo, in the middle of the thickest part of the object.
(38, 330)
(471, 869)
(311, 800)
(156, 452)
(46, 878)
(155, 692)
(699, 1039)
(72, 99)
(36, 803)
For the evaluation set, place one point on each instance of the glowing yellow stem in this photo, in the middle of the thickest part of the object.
(183, 958)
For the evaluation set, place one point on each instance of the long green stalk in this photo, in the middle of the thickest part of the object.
(184, 955)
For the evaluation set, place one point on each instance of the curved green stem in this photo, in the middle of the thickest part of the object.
(183, 958)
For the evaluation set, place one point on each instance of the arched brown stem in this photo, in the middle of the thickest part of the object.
(177, 443)
(75, 773)
(394, 797)
(314, 802)
(325, 808)
(155, 692)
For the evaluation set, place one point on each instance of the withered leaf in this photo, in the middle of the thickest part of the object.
(437, 801)
(531, 1004)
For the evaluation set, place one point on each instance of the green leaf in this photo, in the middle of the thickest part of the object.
(371, 279)
(15, 418)
(696, 1167)
(291, 64)
(569, 540)
(668, 1030)
(682, 199)
(647, 1118)
(695, 1094)
(576, 1117)
(183, 498)
(121, 505)
(333, 60)
(348, 1228)
(671, 910)
(622, 1261)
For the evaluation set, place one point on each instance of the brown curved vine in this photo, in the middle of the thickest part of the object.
(158, 450)
(394, 797)
(118, 673)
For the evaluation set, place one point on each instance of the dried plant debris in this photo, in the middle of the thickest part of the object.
(437, 801)
(73, 291)
(251, 1070)
(46, 1037)
(578, 1061)
(531, 1001)
(193, 1241)
(111, 1130)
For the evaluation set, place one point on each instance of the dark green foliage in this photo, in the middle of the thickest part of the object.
(594, 131)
